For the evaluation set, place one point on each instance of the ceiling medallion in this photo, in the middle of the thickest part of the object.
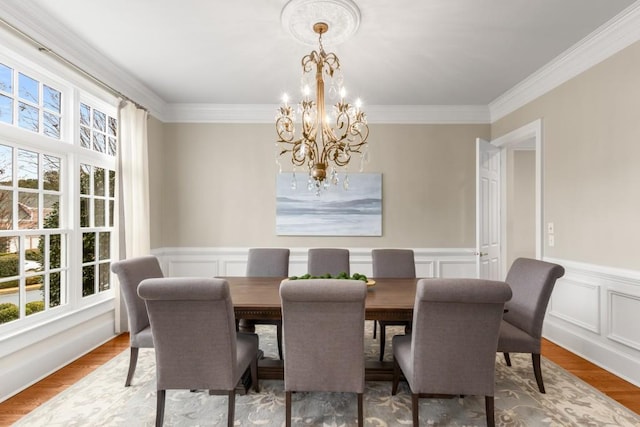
(299, 16)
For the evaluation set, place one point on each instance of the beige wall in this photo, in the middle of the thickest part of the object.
(591, 169)
(216, 183)
(521, 204)
(155, 136)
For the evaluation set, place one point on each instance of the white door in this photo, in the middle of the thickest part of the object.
(488, 263)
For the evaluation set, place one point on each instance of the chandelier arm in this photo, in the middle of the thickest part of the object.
(285, 129)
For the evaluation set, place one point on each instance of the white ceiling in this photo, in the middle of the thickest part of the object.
(405, 52)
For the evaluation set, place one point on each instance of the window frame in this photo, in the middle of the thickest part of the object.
(73, 91)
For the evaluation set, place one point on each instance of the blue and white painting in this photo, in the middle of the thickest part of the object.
(356, 211)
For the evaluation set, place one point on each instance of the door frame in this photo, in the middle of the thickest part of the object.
(530, 131)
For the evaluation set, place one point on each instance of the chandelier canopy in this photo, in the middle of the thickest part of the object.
(328, 138)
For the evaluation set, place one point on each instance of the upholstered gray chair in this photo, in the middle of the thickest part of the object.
(268, 262)
(451, 349)
(196, 343)
(323, 325)
(392, 263)
(130, 273)
(321, 261)
(532, 282)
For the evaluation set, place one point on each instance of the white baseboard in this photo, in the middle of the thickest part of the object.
(28, 365)
(595, 312)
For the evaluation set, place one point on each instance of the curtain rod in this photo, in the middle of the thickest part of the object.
(44, 49)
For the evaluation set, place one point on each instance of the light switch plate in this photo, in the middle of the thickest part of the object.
(550, 228)
(552, 241)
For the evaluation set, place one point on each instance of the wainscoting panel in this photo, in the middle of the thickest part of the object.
(457, 268)
(577, 302)
(184, 266)
(430, 262)
(595, 312)
(624, 322)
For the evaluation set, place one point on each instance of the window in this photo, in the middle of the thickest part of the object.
(29, 103)
(97, 200)
(57, 202)
(32, 247)
(98, 131)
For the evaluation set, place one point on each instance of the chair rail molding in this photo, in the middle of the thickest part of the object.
(594, 312)
(232, 261)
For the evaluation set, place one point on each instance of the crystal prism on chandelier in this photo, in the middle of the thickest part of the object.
(328, 139)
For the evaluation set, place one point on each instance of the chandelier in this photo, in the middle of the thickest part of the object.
(328, 139)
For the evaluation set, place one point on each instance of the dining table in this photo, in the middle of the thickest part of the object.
(259, 298)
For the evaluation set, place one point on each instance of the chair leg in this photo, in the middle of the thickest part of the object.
(382, 341)
(161, 394)
(231, 412)
(507, 359)
(415, 408)
(537, 371)
(396, 377)
(133, 360)
(254, 374)
(287, 405)
(360, 410)
(488, 404)
(375, 327)
(279, 339)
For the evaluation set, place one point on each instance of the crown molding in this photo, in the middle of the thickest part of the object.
(28, 18)
(428, 114)
(265, 113)
(610, 38)
(220, 113)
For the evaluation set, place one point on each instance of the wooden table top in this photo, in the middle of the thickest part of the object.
(259, 298)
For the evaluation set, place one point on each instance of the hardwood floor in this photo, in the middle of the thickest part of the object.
(26, 401)
(21, 404)
(614, 387)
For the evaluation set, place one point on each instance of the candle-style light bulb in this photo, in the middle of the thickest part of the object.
(285, 99)
(343, 93)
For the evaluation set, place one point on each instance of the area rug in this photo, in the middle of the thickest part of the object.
(100, 399)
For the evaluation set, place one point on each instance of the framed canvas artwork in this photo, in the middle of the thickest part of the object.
(356, 211)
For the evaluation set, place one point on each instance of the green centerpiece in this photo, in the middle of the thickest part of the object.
(343, 275)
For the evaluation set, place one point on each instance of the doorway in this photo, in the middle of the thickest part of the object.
(521, 193)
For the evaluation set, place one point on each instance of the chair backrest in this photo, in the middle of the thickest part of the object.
(456, 324)
(323, 327)
(193, 327)
(321, 261)
(392, 263)
(130, 273)
(532, 282)
(268, 262)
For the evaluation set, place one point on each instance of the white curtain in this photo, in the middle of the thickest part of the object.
(133, 221)
(134, 180)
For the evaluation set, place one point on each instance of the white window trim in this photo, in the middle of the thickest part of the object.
(23, 57)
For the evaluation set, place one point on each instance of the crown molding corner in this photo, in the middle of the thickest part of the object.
(610, 38)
